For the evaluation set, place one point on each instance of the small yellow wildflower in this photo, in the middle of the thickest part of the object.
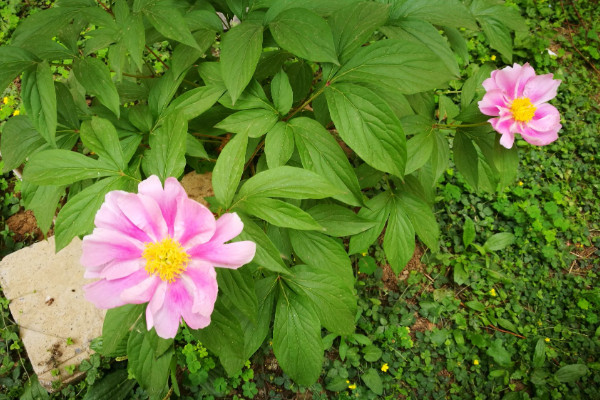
(17, 112)
(270, 343)
(347, 381)
(493, 292)
(475, 362)
(547, 340)
(5, 100)
(493, 57)
(364, 254)
(540, 323)
(520, 183)
(352, 387)
(385, 367)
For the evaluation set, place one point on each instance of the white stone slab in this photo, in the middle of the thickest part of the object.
(47, 302)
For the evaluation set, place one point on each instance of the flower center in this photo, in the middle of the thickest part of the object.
(522, 109)
(166, 259)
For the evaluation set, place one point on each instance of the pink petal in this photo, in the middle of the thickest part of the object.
(120, 269)
(144, 213)
(507, 140)
(105, 245)
(157, 301)
(228, 226)
(490, 83)
(202, 283)
(538, 138)
(167, 318)
(541, 88)
(165, 198)
(107, 294)
(195, 321)
(502, 125)
(492, 102)
(194, 224)
(142, 292)
(513, 79)
(232, 255)
(112, 217)
(546, 118)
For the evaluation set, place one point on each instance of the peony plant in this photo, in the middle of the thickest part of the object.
(326, 125)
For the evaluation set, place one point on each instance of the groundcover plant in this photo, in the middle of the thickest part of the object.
(298, 108)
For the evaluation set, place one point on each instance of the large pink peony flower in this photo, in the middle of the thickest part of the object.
(517, 97)
(161, 247)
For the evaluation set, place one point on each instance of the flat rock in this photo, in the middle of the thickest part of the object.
(56, 322)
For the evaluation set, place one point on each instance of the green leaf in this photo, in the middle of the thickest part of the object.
(94, 76)
(194, 147)
(499, 241)
(396, 64)
(134, 38)
(468, 232)
(279, 145)
(571, 373)
(195, 102)
(64, 167)
(33, 390)
(18, 141)
(163, 91)
(13, 61)
(39, 99)
(253, 123)
(539, 354)
(43, 202)
(166, 156)
(419, 149)
(498, 36)
(240, 51)
(451, 13)
(100, 136)
(169, 22)
(304, 34)
(334, 301)
(297, 338)
(279, 213)
(423, 33)
(287, 182)
(67, 110)
(229, 168)
(323, 252)
(475, 305)
(506, 162)
(267, 255)
(224, 337)
(238, 286)
(422, 218)
(399, 240)
(367, 124)
(255, 333)
(499, 353)
(466, 158)
(372, 353)
(457, 43)
(376, 209)
(151, 372)
(320, 153)
(353, 25)
(115, 386)
(282, 93)
(77, 216)
(339, 221)
(115, 329)
(373, 381)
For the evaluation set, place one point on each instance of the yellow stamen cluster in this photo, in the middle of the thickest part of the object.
(166, 259)
(522, 109)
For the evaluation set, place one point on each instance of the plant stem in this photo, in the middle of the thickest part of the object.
(447, 126)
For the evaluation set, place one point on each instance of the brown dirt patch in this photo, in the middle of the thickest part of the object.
(422, 324)
(198, 186)
(24, 225)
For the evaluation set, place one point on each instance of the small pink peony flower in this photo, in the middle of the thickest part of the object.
(161, 247)
(517, 97)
